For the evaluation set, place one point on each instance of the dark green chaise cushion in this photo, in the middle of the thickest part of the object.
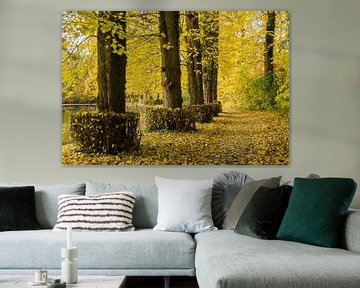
(316, 211)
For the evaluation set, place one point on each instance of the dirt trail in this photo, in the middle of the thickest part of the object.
(234, 138)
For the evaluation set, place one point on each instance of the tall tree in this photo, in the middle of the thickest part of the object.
(194, 58)
(111, 46)
(210, 26)
(170, 59)
(269, 44)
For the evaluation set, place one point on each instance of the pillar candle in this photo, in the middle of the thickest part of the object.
(69, 237)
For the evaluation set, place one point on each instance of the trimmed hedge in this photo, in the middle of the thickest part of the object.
(205, 113)
(105, 132)
(217, 107)
(162, 118)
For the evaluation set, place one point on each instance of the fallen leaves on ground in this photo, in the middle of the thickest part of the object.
(233, 138)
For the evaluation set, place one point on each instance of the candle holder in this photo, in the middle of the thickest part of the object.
(69, 272)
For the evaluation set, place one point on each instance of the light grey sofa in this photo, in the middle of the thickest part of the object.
(143, 252)
(219, 259)
(225, 259)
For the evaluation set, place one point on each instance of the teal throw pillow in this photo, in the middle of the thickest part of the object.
(316, 211)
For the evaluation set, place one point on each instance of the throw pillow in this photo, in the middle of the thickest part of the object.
(146, 205)
(184, 205)
(316, 211)
(105, 212)
(17, 208)
(263, 215)
(46, 200)
(243, 198)
(226, 187)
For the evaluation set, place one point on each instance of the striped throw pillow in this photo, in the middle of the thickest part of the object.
(105, 212)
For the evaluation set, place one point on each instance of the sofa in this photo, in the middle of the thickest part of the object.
(218, 259)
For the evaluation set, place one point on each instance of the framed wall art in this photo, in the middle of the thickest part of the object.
(175, 87)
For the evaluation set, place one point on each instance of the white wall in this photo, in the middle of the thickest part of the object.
(325, 91)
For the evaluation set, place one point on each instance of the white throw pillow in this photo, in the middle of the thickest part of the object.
(184, 205)
(105, 212)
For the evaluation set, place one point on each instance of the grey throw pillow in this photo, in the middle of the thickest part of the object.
(184, 205)
(242, 199)
(226, 187)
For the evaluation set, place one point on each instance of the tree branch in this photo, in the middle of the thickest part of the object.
(76, 47)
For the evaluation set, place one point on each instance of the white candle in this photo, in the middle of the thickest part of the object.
(69, 237)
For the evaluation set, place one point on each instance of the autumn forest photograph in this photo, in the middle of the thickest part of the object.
(175, 87)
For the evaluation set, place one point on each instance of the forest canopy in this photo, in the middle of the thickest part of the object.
(239, 57)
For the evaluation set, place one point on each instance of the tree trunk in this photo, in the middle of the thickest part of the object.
(269, 44)
(117, 66)
(194, 58)
(102, 103)
(210, 55)
(170, 61)
(112, 62)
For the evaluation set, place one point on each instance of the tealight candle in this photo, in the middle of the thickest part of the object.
(69, 237)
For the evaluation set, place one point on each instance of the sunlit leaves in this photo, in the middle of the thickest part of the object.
(240, 59)
(79, 53)
(241, 48)
(113, 25)
(143, 64)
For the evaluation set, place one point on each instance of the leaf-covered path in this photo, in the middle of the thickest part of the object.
(234, 138)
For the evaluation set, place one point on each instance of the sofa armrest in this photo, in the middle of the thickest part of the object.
(351, 234)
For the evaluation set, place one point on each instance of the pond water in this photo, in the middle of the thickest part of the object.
(68, 109)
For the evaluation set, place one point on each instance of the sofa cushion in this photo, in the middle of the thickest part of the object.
(184, 205)
(46, 200)
(146, 204)
(137, 250)
(243, 198)
(317, 209)
(263, 214)
(350, 239)
(17, 208)
(105, 212)
(226, 187)
(225, 259)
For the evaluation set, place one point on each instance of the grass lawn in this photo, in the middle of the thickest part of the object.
(233, 138)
